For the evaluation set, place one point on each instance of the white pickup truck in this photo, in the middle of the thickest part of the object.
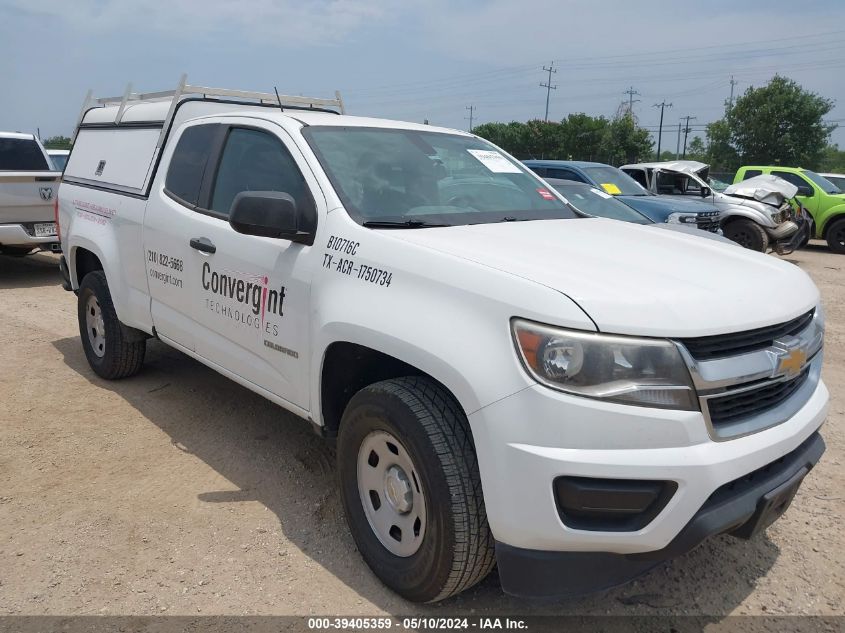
(28, 186)
(573, 399)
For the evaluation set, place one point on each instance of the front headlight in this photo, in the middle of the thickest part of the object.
(628, 370)
(682, 218)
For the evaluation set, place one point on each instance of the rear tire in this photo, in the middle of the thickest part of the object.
(113, 350)
(747, 234)
(451, 549)
(836, 236)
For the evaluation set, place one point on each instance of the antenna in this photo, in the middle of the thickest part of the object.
(278, 98)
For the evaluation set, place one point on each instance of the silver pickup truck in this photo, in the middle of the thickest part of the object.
(759, 223)
(28, 188)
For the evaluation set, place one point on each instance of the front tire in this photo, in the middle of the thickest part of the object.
(836, 236)
(411, 489)
(112, 349)
(747, 234)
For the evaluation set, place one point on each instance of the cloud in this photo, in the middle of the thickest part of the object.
(508, 32)
(284, 22)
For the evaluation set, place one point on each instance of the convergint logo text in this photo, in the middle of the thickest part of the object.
(244, 298)
(165, 278)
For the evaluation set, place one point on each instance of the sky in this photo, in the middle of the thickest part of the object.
(422, 60)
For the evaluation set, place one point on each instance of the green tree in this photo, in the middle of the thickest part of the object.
(696, 150)
(543, 138)
(780, 123)
(625, 142)
(721, 154)
(511, 137)
(581, 136)
(833, 160)
(57, 142)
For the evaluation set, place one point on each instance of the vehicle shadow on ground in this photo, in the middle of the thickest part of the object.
(32, 271)
(276, 459)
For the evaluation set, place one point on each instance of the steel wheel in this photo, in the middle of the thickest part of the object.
(96, 326)
(391, 494)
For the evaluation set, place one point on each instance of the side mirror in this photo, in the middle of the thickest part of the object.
(705, 192)
(269, 214)
(804, 190)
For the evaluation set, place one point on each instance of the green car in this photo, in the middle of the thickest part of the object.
(824, 200)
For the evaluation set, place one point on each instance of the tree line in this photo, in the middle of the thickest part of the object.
(779, 123)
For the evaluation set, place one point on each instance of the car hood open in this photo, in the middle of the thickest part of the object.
(631, 279)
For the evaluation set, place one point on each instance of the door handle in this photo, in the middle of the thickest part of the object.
(203, 244)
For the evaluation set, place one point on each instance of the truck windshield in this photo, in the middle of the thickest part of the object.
(821, 181)
(21, 154)
(415, 178)
(591, 201)
(615, 181)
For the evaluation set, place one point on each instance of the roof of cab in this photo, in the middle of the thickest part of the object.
(156, 112)
(682, 166)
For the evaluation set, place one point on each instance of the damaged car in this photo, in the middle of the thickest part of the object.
(768, 218)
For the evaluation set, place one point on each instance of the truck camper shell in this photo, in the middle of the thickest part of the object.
(142, 122)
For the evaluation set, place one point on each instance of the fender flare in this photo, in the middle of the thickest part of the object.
(401, 349)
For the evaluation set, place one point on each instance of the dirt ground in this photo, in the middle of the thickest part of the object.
(180, 492)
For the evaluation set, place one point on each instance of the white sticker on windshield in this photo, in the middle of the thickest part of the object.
(494, 161)
(601, 193)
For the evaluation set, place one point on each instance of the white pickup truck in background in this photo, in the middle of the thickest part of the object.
(572, 399)
(28, 188)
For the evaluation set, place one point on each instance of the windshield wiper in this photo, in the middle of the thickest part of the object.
(401, 224)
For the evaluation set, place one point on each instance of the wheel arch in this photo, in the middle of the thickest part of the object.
(833, 215)
(347, 365)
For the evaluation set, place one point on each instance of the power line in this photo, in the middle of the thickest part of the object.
(662, 105)
(549, 87)
(471, 109)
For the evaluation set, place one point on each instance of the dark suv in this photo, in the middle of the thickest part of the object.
(616, 182)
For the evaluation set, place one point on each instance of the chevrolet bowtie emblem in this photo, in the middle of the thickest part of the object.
(791, 363)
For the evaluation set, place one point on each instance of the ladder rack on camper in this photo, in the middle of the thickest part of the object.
(184, 90)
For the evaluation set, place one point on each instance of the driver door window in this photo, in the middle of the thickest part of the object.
(254, 160)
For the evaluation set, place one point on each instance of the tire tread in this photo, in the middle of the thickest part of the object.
(448, 429)
(125, 356)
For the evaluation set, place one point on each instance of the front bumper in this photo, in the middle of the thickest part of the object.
(524, 442)
(794, 241)
(742, 508)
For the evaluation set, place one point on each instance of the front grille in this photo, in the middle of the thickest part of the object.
(730, 408)
(720, 345)
(708, 221)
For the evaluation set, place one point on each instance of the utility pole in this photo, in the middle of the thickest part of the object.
(678, 146)
(548, 86)
(631, 92)
(686, 132)
(731, 100)
(662, 105)
(471, 109)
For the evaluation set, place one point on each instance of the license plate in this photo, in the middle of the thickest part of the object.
(46, 229)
